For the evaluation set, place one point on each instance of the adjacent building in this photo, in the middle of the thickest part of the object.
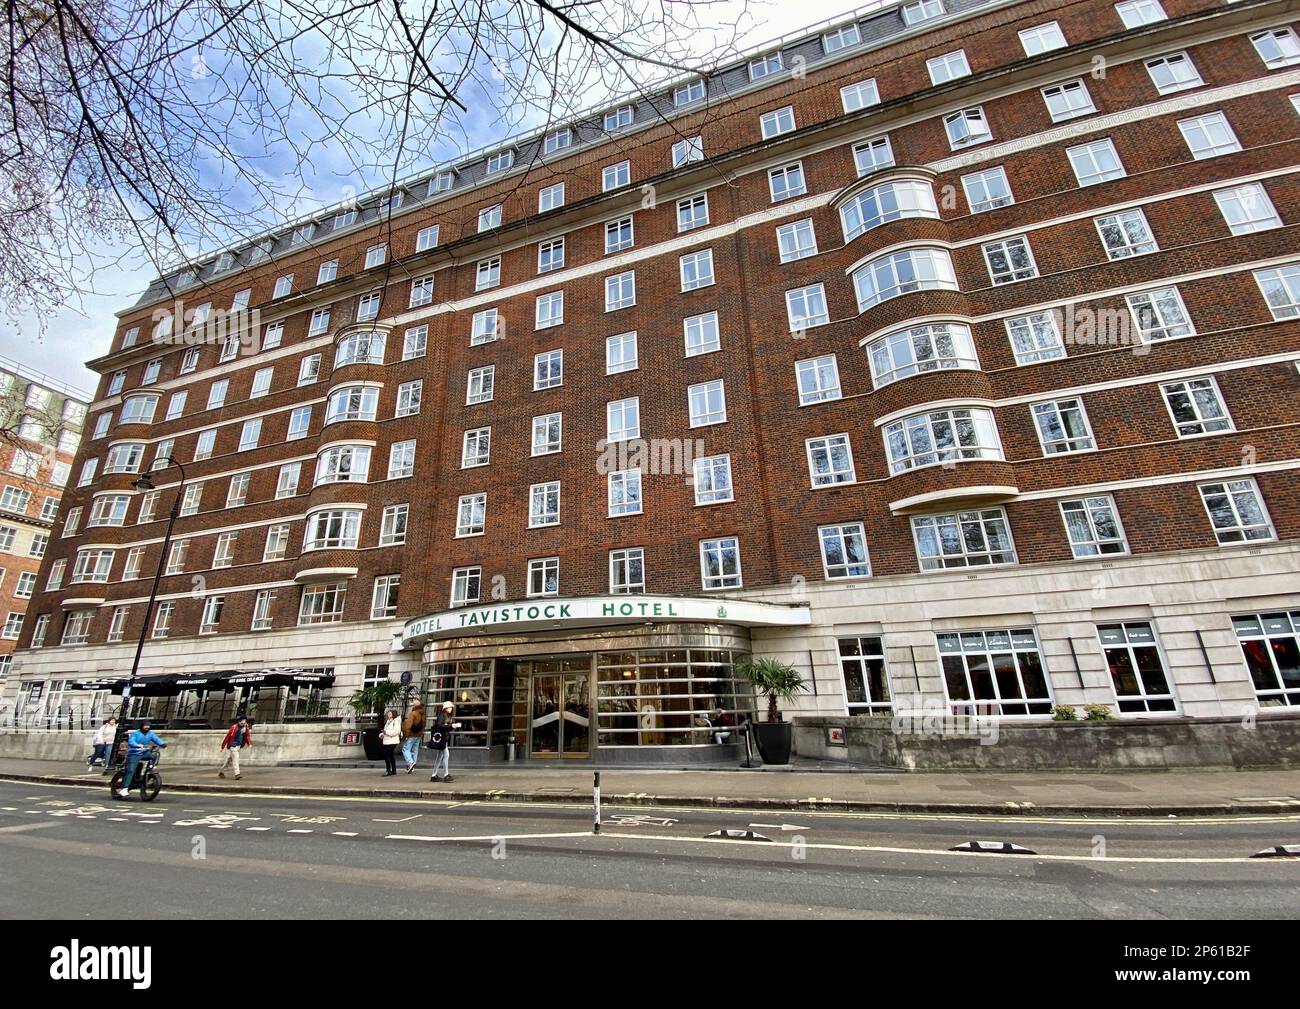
(947, 352)
(40, 429)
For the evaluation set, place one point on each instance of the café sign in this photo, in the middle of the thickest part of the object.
(595, 611)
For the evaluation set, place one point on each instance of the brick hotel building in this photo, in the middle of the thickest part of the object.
(947, 352)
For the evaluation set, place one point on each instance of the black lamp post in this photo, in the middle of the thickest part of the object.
(145, 482)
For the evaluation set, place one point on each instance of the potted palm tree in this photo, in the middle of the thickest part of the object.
(778, 681)
(370, 703)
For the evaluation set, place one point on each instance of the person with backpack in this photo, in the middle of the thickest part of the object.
(412, 735)
(239, 736)
(440, 741)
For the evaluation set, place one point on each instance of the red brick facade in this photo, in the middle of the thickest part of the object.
(1139, 458)
(43, 427)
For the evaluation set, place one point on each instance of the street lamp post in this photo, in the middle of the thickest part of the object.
(145, 482)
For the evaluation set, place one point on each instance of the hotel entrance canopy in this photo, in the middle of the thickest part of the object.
(596, 611)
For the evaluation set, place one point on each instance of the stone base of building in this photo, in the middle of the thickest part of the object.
(990, 745)
(272, 744)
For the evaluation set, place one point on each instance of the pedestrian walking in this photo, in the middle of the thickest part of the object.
(440, 741)
(412, 734)
(101, 741)
(239, 735)
(389, 737)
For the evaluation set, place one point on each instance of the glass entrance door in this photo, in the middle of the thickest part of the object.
(559, 716)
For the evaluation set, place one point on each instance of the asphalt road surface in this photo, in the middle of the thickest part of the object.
(70, 852)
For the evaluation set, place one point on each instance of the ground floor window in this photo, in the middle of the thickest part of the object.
(190, 703)
(1270, 644)
(668, 697)
(998, 672)
(1137, 671)
(468, 685)
(303, 701)
(866, 682)
(33, 692)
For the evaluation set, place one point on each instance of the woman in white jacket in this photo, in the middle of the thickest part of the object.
(101, 741)
(390, 736)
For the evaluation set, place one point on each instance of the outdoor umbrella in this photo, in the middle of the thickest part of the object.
(99, 683)
(278, 677)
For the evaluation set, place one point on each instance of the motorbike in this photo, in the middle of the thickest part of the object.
(147, 778)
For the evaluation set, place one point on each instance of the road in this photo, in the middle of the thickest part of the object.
(71, 852)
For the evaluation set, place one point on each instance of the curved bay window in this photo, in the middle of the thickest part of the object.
(887, 202)
(327, 529)
(343, 464)
(138, 409)
(942, 436)
(352, 403)
(902, 273)
(921, 348)
(366, 347)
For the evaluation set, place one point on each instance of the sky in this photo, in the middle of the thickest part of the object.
(83, 330)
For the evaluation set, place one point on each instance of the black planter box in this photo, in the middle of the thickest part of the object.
(774, 740)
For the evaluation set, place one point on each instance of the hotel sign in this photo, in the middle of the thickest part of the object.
(595, 611)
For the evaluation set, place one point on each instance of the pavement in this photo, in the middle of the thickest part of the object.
(1027, 793)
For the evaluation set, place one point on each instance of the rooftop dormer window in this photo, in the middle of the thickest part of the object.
(765, 66)
(841, 38)
(689, 94)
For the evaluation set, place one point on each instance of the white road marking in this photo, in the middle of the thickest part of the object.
(345, 833)
(780, 826)
(400, 819)
(301, 831)
(637, 820)
(119, 819)
(488, 837)
(9, 809)
(20, 827)
(931, 852)
(257, 828)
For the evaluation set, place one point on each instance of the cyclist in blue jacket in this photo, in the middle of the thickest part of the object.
(137, 747)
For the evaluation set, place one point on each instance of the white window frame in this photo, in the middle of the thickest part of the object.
(708, 416)
(616, 358)
(1236, 534)
(1067, 444)
(843, 532)
(723, 580)
(823, 468)
(948, 67)
(1200, 424)
(1202, 128)
(862, 95)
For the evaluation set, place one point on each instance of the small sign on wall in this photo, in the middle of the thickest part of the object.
(350, 737)
(835, 736)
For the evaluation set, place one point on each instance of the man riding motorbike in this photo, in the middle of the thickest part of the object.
(137, 749)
